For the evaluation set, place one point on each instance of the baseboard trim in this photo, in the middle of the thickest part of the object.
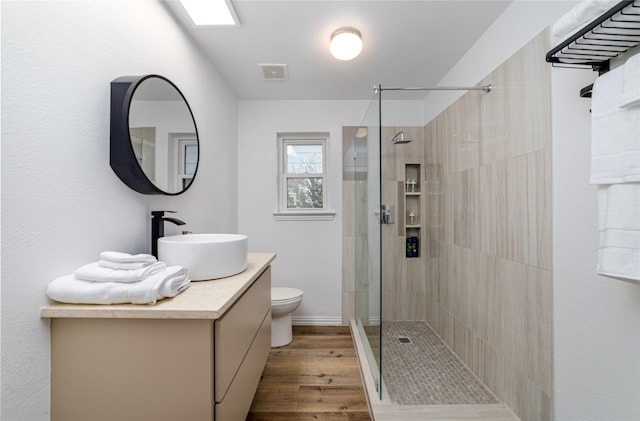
(315, 321)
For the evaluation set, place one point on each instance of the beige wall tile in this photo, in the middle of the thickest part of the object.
(389, 171)
(361, 306)
(464, 128)
(459, 331)
(445, 325)
(492, 208)
(492, 224)
(492, 372)
(538, 325)
(447, 214)
(348, 208)
(348, 307)
(358, 198)
(348, 264)
(494, 114)
(360, 267)
(476, 355)
(539, 199)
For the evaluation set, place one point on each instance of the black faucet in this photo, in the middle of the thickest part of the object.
(157, 228)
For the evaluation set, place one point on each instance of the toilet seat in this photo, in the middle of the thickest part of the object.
(285, 295)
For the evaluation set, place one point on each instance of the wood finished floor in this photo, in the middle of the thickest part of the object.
(316, 377)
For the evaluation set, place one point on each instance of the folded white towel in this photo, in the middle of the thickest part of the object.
(167, 283)
(583, 13)
(619, 224)
(173, 281)
(630, 96)
(118, 257)
(615, 133)
(124, 266)
(96, 273)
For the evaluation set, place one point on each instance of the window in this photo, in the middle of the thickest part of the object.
(182, 160)
(187, 161)
(302, 176)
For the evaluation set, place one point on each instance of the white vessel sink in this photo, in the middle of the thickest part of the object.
(206, 256)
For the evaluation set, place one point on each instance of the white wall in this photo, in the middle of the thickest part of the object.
(61, 203)
(596, 320)
(308, 252)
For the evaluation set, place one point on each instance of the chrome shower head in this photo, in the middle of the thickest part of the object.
(399, 138)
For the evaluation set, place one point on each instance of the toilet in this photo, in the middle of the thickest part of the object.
(283, 302)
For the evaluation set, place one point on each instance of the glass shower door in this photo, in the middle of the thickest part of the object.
(368, 237)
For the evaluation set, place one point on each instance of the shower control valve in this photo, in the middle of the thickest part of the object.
(387, 214)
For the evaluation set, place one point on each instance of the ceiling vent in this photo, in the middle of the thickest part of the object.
(274, 71)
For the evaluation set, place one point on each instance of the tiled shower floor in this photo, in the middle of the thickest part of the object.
(425, 371)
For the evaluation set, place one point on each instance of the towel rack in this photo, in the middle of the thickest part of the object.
(606, 37)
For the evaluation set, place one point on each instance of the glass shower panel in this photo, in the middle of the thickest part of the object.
(368, 237)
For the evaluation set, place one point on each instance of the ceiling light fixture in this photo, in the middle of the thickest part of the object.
(211, 12)
(361, 132)
(346, 43)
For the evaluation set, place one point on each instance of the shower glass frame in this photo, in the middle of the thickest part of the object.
(368, 238)
(368, 230)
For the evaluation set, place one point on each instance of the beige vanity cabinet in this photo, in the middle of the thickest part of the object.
(181, 359)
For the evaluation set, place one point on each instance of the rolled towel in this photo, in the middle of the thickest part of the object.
(165, 284)
(118, 257)
(630, 96)
(96, 273)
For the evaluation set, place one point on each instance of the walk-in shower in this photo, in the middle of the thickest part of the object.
(405, 357)
(452, 301)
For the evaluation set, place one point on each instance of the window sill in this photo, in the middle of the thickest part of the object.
(305, 216)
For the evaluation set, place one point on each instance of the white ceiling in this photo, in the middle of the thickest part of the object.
(406, 43)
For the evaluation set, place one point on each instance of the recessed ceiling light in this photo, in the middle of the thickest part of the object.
(211, 12)
(346, 43)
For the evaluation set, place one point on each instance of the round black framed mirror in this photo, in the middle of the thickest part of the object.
(154, 138)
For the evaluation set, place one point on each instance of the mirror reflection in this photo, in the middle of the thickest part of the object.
(163, 135)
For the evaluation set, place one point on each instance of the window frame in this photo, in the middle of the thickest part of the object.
(183, 143)
(284, 213)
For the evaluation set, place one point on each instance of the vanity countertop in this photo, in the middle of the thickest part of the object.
(202, 300)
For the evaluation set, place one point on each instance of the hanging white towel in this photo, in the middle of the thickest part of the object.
(168, 283)
(630, 92)
(119, 257)
(619, 224)
(615, 133)
(96, 273)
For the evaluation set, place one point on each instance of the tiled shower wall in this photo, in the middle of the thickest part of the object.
(488, 268)
(403, 279)
(484, 279)
(355, 250)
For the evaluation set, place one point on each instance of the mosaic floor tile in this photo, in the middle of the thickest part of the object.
(421, 370)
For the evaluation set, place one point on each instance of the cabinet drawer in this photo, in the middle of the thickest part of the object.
(131, 369)
(237, 401)
(236, 330)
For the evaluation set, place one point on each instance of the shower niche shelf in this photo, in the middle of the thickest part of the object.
(413, 209)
